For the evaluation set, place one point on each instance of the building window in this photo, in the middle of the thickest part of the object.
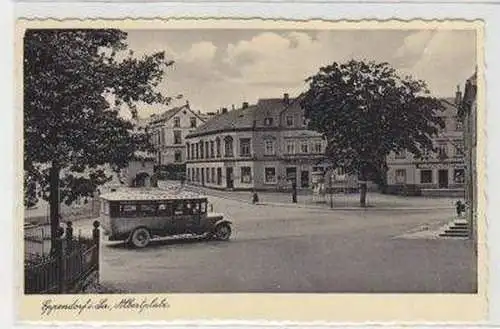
(212, 149)
(269, 147)
(188, 151)
(208, 175)
(207, 149)
(197, 150)
(268, 121)
(444, 123)
(459, 126)
(289, 120)
(217, 146)
(228, 146)
(178, 156)
(270, 175)
(244, 147)
(425, 176)
(219, 176)
(192, 122)
(162, 136)
(459, 176)
(177, 137)
(177, 122)
(459, 148)
(246, 175)
(304, 121)
(400, 155)
(340, 171)
(442, 154)
(202, 149)
(198, 175)
(304, 147)
(400, 176)
(318, 148)
(290, 147)
(213, 175)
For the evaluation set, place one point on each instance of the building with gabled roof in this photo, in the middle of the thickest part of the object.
(440, 173)
(263, 146)
(169, 129)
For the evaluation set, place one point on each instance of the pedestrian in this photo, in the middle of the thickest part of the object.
(294, 192)
(459, 208)
(255, 198)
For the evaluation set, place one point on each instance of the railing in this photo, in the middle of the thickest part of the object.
(66, 268)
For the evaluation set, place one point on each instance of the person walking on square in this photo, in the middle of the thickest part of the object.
(294, 192)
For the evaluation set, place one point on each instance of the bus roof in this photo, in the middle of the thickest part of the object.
(153, 194)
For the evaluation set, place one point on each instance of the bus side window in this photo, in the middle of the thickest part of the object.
(165, 209)
(114, 209)
(128, 210)
(148, 209)
(178, 208)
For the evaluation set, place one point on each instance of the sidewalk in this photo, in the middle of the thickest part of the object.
(374, 201)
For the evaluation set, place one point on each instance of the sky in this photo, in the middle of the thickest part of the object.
(218, 68)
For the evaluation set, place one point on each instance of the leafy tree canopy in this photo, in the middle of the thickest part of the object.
(366, 110)
(70, 127)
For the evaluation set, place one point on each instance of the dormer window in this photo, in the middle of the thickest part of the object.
(289, 120)
(268, 121)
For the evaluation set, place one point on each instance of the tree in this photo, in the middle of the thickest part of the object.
(71, 128)
(366, 110)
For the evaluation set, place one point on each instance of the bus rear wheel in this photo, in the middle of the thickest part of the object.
(140, 238)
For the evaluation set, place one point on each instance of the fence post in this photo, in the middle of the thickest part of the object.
(61, 261)
(96, 237)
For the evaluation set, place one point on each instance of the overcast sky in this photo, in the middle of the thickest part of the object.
(218, 68)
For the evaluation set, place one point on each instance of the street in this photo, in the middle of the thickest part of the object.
(276, 249)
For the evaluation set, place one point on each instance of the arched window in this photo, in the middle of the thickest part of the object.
(228, 146)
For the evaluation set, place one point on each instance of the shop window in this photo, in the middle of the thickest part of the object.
(270, 175)
(425, 176)
(246, 175)
(400, 176)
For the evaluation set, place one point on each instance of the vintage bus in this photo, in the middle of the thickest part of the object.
(138, 215)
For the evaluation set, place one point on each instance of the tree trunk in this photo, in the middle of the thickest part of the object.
(54, 206)
(362, 188)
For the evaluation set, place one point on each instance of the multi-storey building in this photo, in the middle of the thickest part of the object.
(169, 130)
(264, 146)
(436, 173)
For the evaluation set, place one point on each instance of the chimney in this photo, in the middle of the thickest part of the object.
(224, 110)
(245, 105)
(232, 106)
(458, 96)
(286, 98)
(187, 104)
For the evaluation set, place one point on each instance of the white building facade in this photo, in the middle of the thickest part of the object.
(169, 130)
(439, 173)
(265, 146)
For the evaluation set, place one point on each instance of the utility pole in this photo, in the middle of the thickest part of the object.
(331, 190)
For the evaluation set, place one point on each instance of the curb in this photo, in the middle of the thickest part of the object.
(373, 208)
(301, 206)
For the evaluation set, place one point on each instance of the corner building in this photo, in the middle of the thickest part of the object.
(440, 173)
(265, 146)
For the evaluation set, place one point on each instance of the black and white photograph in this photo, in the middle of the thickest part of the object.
(211, 160)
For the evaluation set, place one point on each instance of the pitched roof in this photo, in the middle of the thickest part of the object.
(167, 115)
(246, 118)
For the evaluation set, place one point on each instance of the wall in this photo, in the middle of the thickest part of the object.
(136, 167)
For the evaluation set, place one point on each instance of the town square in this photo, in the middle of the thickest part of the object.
(207, 162)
